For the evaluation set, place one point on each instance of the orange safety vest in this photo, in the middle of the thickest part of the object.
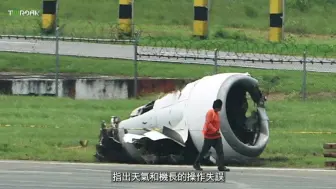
(212, 125)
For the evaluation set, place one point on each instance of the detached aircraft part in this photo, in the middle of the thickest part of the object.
(169, 130)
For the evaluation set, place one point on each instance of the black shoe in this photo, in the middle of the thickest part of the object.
(223, 169)
(197, 167)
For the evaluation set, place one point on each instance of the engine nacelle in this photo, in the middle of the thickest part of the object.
(170, 128)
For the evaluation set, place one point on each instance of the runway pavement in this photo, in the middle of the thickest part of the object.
(43, 175)
(83, 49)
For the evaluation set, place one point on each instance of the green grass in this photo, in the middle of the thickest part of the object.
(238, 26)
(288, 82)
(46, 128)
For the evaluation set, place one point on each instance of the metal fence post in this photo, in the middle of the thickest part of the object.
(136, 66)
(57, 59)
(57, 47)
(304, 83)
(215, 61)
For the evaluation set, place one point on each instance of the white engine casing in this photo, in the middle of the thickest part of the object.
(184, 112)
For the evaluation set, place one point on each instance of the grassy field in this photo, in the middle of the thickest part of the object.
(231, 22)
(46, 128)
(288, 82)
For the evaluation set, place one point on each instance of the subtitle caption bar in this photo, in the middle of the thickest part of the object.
(147, 176)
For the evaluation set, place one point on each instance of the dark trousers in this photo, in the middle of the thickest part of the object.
(215, 143)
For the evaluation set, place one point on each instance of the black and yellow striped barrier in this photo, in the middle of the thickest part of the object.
(201, 18)
(276, 20)
(49, 15)
(125, 17)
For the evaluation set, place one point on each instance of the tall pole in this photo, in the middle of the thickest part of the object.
(276, 20)
(200, 23)
(57, 47)
(125, 16)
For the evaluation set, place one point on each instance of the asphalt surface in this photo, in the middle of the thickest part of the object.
(42, 175)
(83, 49)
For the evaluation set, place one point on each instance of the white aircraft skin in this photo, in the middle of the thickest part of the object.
(183, 112)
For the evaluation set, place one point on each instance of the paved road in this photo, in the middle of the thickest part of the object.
(41, 175)
(127, 52)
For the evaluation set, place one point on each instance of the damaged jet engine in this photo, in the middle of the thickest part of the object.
(169, 130)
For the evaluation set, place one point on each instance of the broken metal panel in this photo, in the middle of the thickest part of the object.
(154, 135)
(130, 138)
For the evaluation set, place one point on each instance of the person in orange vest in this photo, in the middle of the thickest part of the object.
(212, 137)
